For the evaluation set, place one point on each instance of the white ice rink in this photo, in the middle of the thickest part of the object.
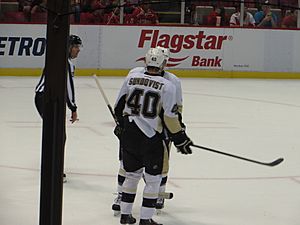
(257, 119)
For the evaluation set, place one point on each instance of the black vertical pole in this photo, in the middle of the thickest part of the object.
(53, 138)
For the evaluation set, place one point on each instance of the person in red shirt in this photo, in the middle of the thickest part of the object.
(132, 15)
(136, 15)
(149, 17)
(112, 17)
(92, 11)
(290, 20)
(217, 17)
(142, 14)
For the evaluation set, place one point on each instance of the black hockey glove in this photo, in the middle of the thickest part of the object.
(182, 142)
(118, 131)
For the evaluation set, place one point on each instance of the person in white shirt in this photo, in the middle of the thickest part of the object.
(249, 20)
(145, 104)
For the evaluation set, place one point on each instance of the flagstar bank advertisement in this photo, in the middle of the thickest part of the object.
(192, 48)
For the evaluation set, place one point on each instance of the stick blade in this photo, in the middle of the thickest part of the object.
(276, 162)
(166, 195)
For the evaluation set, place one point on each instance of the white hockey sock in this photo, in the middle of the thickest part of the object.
(129, 191)
(150, 195)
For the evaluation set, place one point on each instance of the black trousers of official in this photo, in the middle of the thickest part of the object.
(141, 151)
(39, 104)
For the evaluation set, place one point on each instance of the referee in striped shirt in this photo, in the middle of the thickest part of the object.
(75, 44)
(74, 49)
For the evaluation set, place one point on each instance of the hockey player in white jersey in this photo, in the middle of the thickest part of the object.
(146, 103)
(121, 173)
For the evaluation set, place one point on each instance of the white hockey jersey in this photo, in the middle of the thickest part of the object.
(146, 97)
(169, 76)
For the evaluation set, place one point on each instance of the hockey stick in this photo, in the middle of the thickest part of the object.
(274, 163)
(105, 99)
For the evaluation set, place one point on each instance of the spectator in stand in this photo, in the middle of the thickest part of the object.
(93, 11)
(75, 5)
(136, 14)
(150, 17)
(142, 14)
(290, 20)
(31, 7)
(129, 17)
(25, 6)
(265, 18)
(128, 8)
(249, 20)
(112, 17)
(217, 17)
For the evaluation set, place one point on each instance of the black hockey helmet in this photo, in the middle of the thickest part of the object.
(74, 40)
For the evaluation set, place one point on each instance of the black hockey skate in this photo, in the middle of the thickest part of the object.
(149, 222)
(127, 219)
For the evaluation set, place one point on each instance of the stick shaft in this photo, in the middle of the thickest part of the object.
(105, 98)
(274, 163)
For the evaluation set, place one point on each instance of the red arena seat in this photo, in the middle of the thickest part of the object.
(14, 17)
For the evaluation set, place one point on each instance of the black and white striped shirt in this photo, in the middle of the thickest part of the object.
(70, 86)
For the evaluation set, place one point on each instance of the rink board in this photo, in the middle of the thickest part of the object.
(195, 51)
